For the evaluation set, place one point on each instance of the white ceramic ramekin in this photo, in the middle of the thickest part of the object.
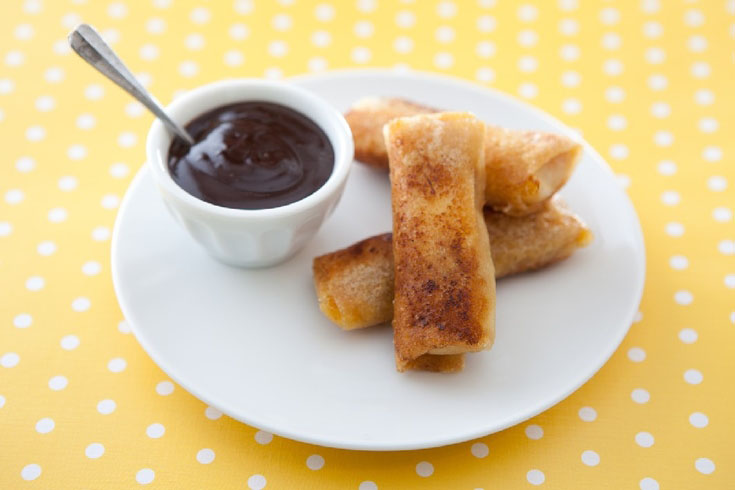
(244, 237)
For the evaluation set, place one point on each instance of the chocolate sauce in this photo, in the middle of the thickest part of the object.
(252, 155)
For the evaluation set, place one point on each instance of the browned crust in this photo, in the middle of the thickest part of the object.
(444, 279)
(366, 119)
(513, 158)
(521, 244)
(354, 285)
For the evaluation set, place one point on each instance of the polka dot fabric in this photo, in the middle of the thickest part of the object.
(648, 83)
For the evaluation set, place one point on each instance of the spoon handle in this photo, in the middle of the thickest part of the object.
(88, 44)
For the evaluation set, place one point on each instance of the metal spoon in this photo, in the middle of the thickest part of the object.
(88, 44)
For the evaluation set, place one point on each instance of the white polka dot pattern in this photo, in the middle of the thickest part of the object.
(424, 469)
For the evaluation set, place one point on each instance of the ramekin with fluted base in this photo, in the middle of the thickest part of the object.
(245, 237)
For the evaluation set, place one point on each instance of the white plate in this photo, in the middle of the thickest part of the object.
(254, 344)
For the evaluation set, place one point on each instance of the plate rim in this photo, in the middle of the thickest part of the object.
(482, 431)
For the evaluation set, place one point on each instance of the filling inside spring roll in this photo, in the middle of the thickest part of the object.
(354, 285)
(444, 298)
(523, 168)
(526, 168)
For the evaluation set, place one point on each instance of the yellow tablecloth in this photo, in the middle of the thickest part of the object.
(649, 83)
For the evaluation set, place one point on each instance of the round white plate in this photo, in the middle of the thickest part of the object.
(254, 344)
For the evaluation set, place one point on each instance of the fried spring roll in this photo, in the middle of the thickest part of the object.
(523, 168)
(367, 117)
(444, 279)
(526, 243)
(354, 285)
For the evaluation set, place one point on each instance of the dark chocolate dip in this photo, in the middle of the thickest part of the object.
(252, 155)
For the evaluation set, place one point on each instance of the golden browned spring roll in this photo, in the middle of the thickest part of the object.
(444, 299)
(367, 117)
(523, 168)
(354, 285)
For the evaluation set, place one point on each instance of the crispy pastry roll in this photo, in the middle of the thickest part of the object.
(530, 242)
(354, 285)
(444, 299)
(367, 117)
(523, 168)
(526, 168)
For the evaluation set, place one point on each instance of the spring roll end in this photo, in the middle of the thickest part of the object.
(433, 363)
(354, 286)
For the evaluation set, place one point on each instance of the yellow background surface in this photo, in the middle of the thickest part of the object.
(649, 84)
